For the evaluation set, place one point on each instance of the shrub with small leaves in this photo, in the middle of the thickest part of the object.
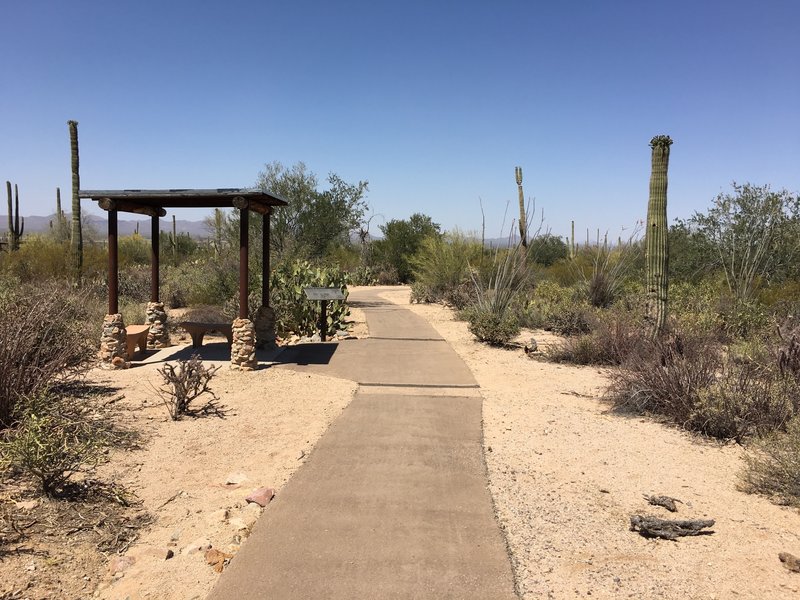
(772, 466)
(492, 327)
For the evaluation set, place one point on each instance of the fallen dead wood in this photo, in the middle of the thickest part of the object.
(649, 526)
(667, 502)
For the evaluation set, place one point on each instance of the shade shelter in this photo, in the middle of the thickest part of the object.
(154, 203)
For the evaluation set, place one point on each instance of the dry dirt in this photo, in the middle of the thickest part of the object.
(565, 474)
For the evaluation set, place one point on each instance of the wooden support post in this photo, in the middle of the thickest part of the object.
(244, 235)
(265, 258)
(113, 264)
(155, 239)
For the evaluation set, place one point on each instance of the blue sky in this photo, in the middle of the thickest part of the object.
(434, 103)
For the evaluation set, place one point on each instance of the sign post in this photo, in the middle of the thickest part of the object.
(323, 296)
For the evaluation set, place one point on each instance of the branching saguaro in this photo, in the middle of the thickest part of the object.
(77, 233)
(656, 243)
(15, 229)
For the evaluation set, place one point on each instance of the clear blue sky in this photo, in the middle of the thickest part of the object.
(433, 103)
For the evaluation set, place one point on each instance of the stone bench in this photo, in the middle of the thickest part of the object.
(199, 330)
(136, 336)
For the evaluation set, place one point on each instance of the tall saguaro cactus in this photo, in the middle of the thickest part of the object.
(656, 243)
(77, 234)
(15, 228)
(523, 222)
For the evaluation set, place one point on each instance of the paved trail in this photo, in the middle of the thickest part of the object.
(393, 502)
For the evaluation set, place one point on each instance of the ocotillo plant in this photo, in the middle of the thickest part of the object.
(656, 247)
(15, 228)
(523, 223)
(77, 233)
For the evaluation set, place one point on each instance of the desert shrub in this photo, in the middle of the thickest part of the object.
(772, 466)
(695, 307)
(133, 250)
(441, 265)
(491, 327)
(134, 283)
(52, 440)
(609, 269)
(185, 382)
(555, 308)
(293, 311)
(363, 275)
(202, 281)
(614, 334)
(46, 336)
(691, 380)
(42, 257)
(386, 275)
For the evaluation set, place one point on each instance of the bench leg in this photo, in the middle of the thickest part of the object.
(197, 338)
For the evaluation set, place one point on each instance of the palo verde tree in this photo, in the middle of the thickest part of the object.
(656, 243)
(401, 240)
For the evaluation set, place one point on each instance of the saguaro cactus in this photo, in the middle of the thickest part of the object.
(173, 241)
(656, 246)
(15, 228)
(523, 222)
(77, 233)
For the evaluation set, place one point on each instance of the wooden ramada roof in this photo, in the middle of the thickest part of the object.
(154, 201)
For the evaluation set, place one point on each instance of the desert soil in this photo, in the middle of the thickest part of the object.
(565, 474)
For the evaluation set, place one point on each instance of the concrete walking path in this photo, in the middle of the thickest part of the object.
(393, 501)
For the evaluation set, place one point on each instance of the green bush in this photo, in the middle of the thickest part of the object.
(562, 310)
(772, 466)
(441, 266)
(51, 441)
(491, 327)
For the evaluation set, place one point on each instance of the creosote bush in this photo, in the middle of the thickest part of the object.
(183, 383)
(491, 327)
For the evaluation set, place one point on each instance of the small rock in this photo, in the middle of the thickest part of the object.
(26, 504)
(118, 564)
(169, 554)
(235, 479)
(238, 524)
(790, 561)
(199, 545)
(263, 496)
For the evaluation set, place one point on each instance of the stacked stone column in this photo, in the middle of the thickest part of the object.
(113, 343)
(243, 349)
(156, 318)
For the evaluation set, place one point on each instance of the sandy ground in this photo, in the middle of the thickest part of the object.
(566, 475)
(193, 475)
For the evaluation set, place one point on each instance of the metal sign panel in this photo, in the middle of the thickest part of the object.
(321, 293)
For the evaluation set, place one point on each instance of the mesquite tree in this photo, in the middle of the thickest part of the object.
(656, 247)
(77, 234)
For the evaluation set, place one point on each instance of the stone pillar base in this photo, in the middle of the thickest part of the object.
(243, 349)
(265, 328)
(113, 343)
(156, 318)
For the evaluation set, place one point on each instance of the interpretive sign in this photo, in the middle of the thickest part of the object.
(321, 293)
(323, 296)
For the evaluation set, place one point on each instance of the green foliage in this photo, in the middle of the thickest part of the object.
(42, 257)
(293, 311)
(492, 327)
(441, 268)
(692, 256)
(51, 441)
(315, 221)
(402, 239)
(772, 466)
(754, 236)
(551, 306)
(547, 249)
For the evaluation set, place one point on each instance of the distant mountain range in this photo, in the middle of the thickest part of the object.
(36, 224)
